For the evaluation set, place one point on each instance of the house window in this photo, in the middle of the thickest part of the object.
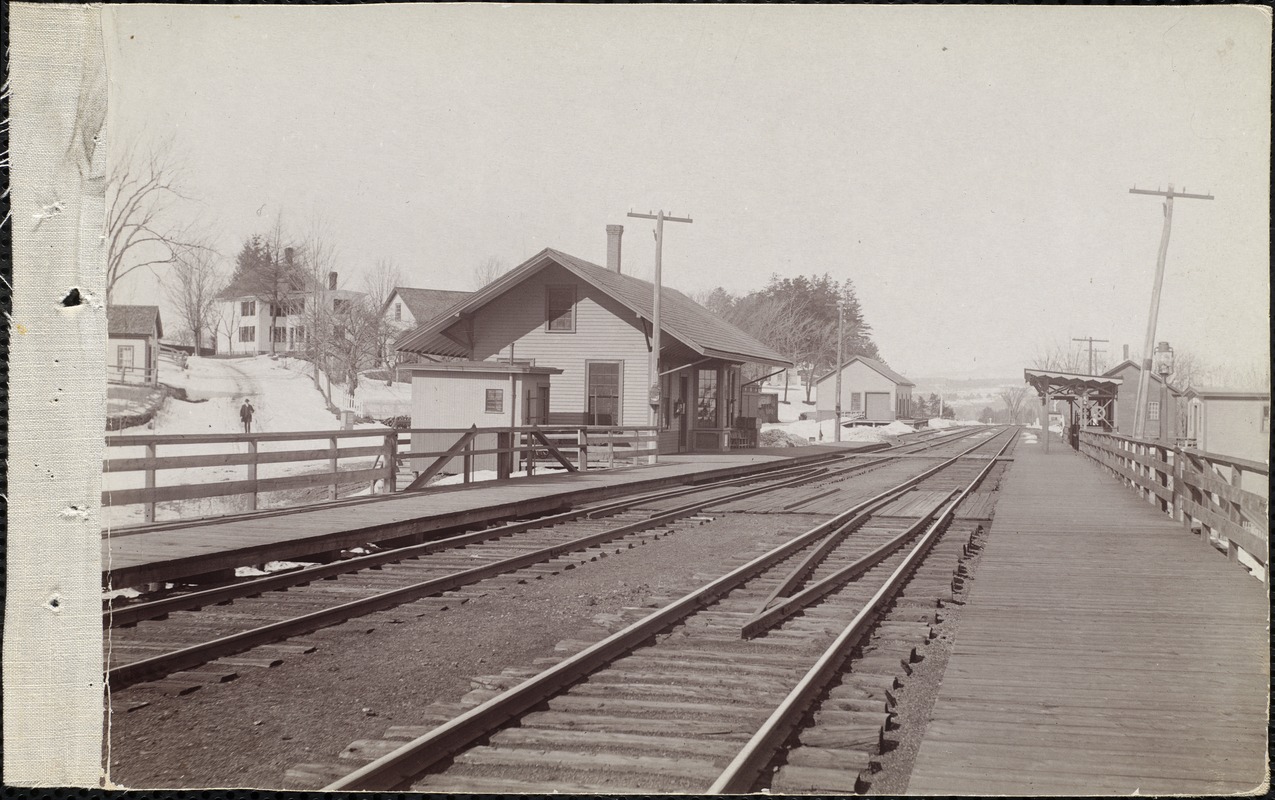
(298, 305)
(248, 308)
(706, 399)
(298, 334)
(248, 333)
(1153, 411)
(560, 309)
(398, 311)
(603, 379)
(278, 309)
(338, 305)
(279, 334)
(495, 401)
(124, 356)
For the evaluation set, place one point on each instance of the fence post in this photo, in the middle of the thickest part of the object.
(252, 473)
(391, 463)
(582, 454)
(332, 459)
(504, 459)
(468, 461)
(148, 513)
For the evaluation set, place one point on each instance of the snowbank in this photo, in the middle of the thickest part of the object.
(825, 431)
(897, 428)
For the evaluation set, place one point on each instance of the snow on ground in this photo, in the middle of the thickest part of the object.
(284, 398)
(809, 430)
(376, 400)
(486, 475)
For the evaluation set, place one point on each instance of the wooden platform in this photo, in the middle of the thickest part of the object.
(1104, 650)
(169, 551)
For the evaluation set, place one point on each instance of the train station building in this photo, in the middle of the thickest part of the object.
(594, 323)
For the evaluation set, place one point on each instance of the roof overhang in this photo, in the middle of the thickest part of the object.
(480, 367)
(1069, 384)
(743, 359)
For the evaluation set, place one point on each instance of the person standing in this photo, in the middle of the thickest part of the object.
(245, 415)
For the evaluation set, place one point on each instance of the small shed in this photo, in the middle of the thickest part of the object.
(1231, 423)
(461, 394)
(871, 393)
(132, 344)
(1162, 419)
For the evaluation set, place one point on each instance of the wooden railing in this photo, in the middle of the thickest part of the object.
(117, 373)
(349, 461)
(1203, 490)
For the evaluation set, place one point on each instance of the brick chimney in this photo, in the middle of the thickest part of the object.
(331, 280)
(1126, 352)
(614, 232)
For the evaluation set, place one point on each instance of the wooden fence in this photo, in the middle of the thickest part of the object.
(350, 461)
(1202, 490)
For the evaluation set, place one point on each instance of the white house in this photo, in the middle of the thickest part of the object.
(407, 307)
(252, 324)
(871, 393)
(132, 343)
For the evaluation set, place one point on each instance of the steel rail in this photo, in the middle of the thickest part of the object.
(772, 617)
(131, 614)
(195, 655)
(802, 570)
(744, 770)
(394, 769)
(115, 617)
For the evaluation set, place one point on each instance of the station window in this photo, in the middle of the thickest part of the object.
(1153, 411)
(560, 309)
(706, 399)
(495, 401)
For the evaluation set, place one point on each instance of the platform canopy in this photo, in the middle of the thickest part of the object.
(1092, 397)
(1055, 385)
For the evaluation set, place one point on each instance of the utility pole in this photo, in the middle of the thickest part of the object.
(841, 323)
(653, 367)
(1144, 376)
(1091, 340)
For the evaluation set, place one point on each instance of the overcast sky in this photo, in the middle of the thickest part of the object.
(968, 168)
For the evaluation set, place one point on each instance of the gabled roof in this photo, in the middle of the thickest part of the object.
(1129, 362)
(873, 364)
(425, 304)
(1210, 393)
(133, 321)
(680, 317)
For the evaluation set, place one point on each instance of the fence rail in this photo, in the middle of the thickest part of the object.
(350, 461)
(1203, 490)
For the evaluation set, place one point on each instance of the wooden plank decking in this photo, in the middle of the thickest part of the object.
(170, 551)
(1104, 650)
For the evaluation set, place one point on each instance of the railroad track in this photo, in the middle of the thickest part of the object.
(194, 639)
(778, 675)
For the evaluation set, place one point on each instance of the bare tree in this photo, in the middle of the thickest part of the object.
(379, 284)
(491, 268)
(1060, 357)
(191, 286)
(1014, 402)
(141, 193)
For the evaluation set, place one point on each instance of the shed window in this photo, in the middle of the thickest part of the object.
(248, 308)
(604, 392)
(1153, 411)
(495, 401)
(248, 333)
(856, 401)
(124, 357)
(560, 309)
